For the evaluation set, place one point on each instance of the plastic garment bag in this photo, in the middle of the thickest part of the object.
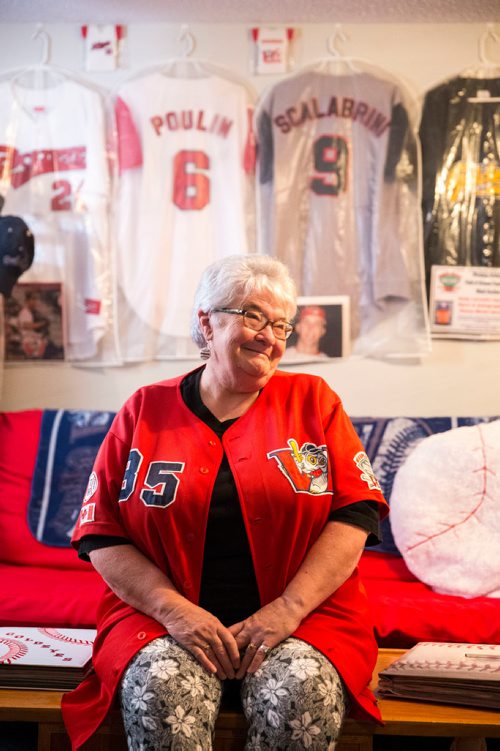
(54, 174)
(460, 136)
(338, 188)
(185, 196)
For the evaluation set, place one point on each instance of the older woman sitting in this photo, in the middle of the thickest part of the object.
(226, 512)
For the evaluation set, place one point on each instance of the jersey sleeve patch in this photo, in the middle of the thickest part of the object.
(92, 486)
(366, 472)
(87, 514)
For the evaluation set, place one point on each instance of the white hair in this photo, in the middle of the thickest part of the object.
(230, 281)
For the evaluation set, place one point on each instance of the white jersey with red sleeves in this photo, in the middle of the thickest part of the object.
(337, 174)
(185, 199)
(294, 456)
(54, 174)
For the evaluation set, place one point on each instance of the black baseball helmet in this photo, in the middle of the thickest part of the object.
(17, 250)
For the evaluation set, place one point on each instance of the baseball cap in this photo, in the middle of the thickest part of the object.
(312, 310)
(17, 250)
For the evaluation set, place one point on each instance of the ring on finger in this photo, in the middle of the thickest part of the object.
(205, 647)
(250, 646)
(264, 649)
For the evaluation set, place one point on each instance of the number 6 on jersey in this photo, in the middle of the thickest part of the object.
(191, 189)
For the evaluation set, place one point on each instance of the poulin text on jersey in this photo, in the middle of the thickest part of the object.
(192, 120)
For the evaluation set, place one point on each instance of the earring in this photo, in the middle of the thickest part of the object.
(205, 352)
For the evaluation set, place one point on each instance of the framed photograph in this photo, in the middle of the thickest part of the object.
(33, 321)
(322, 326)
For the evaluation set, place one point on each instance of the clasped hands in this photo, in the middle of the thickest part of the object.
(234, 651)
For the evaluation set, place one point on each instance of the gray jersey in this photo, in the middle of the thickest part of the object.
(337, 174)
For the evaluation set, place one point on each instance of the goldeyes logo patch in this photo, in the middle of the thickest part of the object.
(305, 467)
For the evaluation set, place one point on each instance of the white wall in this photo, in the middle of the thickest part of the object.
(460, 378)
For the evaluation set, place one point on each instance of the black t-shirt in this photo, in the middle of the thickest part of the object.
(228, 584)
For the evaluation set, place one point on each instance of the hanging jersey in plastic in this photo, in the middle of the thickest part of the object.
(185, 198)
(54, 173)
(460, 136)
(338, 198)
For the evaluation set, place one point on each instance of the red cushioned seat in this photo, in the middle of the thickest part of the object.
(406, 611)
(42, 596)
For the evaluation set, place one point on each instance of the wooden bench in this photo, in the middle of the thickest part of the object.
(400, 717)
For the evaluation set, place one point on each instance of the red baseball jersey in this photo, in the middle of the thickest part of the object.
(294, 455)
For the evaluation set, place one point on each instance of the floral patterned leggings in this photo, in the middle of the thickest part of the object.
(295, 700)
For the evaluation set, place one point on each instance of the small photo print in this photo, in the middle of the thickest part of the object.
(33, 323)
(321, 330)
(443, 312)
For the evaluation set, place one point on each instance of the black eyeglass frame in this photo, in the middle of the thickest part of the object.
(244, 312)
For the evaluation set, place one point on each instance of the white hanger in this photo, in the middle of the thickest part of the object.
(338, 35)
(45, 74)
(40, 75)
(332, 42)
(483, 56)
(487, 67)
(41, 33)
(359, 65)
(353, 64)
(187, 40)
(185, 66)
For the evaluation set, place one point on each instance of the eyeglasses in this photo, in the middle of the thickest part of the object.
(257, 321)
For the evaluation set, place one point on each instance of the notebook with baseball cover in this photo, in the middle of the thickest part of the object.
(44, 658)
(445, 672)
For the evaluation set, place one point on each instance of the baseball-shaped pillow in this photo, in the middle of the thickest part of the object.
(445, 511)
